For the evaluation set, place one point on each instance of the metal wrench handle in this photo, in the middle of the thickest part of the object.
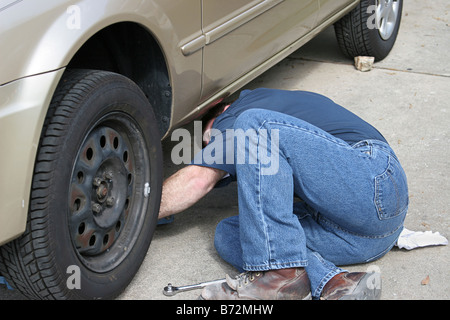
(171, 290)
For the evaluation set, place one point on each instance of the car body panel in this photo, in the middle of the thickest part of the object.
(329, 7)
(267, 64)
(263, 30)
(211, 48)
(62, 36)
(20, 129)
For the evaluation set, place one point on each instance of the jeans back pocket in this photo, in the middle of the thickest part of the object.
(391, 191)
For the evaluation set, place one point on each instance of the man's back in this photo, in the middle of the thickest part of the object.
(313, 108)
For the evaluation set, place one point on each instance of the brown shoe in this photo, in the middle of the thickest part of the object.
(285, 284)
(353, 286)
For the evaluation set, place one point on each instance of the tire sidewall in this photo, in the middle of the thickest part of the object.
(117, 94)
(380, 47)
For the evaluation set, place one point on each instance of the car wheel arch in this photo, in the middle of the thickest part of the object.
(129, 49)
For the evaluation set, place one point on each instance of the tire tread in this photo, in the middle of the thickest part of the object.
(27, 263)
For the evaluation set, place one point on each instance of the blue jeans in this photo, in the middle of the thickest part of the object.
(353, 204)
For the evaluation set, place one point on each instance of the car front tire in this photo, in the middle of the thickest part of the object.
(95, 194)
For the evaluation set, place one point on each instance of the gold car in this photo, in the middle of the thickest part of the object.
(88, 88)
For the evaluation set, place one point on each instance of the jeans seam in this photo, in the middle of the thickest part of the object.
(381, 210)
(270, 264)
(382, 253)
(318, 292)
(275, 265)
(265, 226)
(318, 134)
(336, 226)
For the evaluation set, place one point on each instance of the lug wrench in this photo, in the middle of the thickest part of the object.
(171, 290)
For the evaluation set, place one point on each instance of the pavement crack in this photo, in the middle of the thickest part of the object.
(375, 67)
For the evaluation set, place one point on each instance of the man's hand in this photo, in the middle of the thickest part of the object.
(187, 187)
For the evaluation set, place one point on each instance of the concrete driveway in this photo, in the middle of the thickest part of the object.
(407, 97)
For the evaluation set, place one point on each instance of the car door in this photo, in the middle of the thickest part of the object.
(239, 35)
(330, 7)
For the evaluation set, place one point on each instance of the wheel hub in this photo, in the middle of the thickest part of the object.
(109, 192)
(386, 17)
(105, 206)
(102, 189)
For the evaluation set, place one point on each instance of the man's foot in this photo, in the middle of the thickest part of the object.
(353, 286)
(285, 284)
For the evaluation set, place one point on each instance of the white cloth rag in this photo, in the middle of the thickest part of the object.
(417, 239)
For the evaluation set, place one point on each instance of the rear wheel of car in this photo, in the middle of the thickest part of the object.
(371, 29)
(95, 194)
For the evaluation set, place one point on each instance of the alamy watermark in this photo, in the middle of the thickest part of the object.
(73, 21)
(232, 147)
(374, 280)
(381, 14)
(74, 279)
(372, 22)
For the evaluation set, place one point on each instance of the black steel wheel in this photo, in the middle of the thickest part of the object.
(105, 213)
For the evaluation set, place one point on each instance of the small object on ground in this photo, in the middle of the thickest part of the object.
(417, 239)
(364, 64)
(171, 290)
(426, 281)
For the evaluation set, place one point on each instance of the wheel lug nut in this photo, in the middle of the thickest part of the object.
(109, 175)
(96, 207)
(97, 182)
(110, 201)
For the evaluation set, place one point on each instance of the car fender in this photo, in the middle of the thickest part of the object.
(31, 69)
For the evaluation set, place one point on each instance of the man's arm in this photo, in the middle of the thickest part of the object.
(186, 187)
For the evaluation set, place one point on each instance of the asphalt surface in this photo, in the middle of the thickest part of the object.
(405, 96)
